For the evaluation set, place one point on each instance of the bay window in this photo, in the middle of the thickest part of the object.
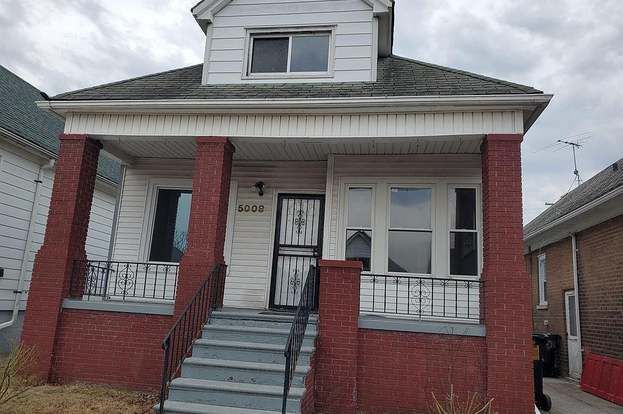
(426, 229)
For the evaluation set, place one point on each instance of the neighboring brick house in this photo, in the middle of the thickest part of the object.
(590, 218)
(301, 142)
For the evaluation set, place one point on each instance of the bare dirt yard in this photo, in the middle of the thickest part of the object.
(79, 398)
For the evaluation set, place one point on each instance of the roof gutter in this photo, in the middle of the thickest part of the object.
(533, 102)
(583, 209)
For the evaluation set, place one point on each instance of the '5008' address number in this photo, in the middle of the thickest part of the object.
(250, 208)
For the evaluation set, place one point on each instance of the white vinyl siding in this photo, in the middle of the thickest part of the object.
(18, 172)
(227, 41)
(251, 241)
(300, 126)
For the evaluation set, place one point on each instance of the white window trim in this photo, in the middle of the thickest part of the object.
(153, 186)
(542, 280)
(372, 188)
(478, 231)
(441, 247)
(282, 32)
(432, 230)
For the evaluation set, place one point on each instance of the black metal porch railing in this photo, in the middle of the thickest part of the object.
(422, 297)
(188, 326)
(307, 302)
(123, 280)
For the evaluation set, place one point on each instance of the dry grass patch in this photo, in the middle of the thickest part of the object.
(78, 399)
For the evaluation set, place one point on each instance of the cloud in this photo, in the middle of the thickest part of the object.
(571, 48)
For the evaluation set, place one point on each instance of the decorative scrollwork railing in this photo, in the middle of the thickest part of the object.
(123, 280)
(421, 297)
(307, 302)
(188, 327)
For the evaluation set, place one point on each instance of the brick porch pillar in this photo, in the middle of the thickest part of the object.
(208, 216)
(336, 355)
(507, 296)
(64, 242)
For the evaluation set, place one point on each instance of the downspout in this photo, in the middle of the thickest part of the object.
(31, 230)
(576, 288)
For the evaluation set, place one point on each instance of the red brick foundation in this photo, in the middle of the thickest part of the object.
(507, 296)
(119, 349)
(399, 371)
(208, 216)
(64, 242)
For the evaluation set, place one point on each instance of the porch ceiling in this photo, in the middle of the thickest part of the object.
(304, 149)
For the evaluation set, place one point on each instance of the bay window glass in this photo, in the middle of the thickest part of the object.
(170, 231)
(463, 232)
(410, 232)
(359, 226)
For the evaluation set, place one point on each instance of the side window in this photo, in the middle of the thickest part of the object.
(463, 231)
(170, 228)
(542, 280)
(359, 226)
(410, 233)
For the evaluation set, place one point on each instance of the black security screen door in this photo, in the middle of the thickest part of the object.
(298, 245)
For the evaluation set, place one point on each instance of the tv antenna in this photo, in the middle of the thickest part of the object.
(576, 173)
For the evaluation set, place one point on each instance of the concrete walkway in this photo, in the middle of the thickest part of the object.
(568, 398)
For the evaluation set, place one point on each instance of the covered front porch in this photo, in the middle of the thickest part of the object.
(409, 208)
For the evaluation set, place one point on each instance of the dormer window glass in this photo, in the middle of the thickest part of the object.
(284, 53)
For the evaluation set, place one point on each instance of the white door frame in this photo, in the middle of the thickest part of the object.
(574, 352)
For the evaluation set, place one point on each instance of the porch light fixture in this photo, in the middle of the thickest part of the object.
(259, 188)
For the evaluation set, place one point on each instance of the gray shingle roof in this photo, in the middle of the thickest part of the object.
(20, 115)
(397, 76)
(602, 183)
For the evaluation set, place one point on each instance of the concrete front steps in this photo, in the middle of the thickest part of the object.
(237, 366)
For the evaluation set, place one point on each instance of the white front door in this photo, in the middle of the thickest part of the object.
(573, 343)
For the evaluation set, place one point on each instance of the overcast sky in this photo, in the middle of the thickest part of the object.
(573, 49)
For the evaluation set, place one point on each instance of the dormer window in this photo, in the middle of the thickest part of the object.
(289, 54)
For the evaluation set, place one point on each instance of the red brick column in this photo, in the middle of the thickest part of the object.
(336, 355)
(507, 297)
(65, 237)
(208, 216)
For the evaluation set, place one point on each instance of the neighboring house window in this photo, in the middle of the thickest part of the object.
(410, 233)
(542, 280)
(463, 231)
(359, 226)
(170, 231)
(275, 53)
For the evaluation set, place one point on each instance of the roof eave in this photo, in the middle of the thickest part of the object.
(572, 214)
(531, 104)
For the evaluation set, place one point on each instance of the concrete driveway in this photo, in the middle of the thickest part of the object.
(568, 398)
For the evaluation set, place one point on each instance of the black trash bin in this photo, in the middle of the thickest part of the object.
(549, 351)
(542, 400)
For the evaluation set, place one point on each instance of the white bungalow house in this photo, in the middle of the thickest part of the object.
(28, 150)
(380, 193)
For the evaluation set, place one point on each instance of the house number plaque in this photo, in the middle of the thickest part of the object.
(250, 208)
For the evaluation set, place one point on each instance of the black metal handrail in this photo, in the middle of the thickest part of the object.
(188, 326)
(422, 297)
(307, 302)
(123, 280)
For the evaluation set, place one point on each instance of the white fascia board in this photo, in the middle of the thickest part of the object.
(315, 105)
(578, 211)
